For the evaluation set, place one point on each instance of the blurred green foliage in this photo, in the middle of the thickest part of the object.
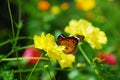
(105, 15)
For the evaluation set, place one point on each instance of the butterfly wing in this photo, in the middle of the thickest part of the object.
(81, 37)
(69, 43)
(60, 37)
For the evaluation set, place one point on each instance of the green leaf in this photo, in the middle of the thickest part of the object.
(19, 25)
(8, 75)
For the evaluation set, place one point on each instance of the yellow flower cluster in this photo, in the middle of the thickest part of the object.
(55, 52)
(93, 35)
(85, 4)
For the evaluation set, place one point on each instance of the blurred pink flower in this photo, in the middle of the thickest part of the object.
(33, 53)
(108, 58)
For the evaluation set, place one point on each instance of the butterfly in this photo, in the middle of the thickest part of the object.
(70, 43)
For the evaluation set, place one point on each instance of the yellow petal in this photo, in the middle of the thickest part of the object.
(53, 51)
(93, 35)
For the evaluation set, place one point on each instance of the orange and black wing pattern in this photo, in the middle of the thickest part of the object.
(70, 43)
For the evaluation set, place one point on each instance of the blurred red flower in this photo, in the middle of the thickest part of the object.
(33, 53)
(108, 58)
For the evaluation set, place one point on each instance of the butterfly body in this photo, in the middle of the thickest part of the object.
(70, 43)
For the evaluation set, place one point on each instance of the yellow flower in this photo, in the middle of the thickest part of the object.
(44, 42)
(55, 10)
(94, 36)
(85, 4)
(55, 52)
(66, 60)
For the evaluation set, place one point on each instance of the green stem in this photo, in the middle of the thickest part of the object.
(88, 60)
(18, 62)
(34, 68)
(11, 19)
(6, 55)
(15, 41)
(19, 12)
(49, 74)
(24, 58)
(5, 42)
(12, 51)
(17, 36)
(84, 54)
(41, 68)
(8, 41)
